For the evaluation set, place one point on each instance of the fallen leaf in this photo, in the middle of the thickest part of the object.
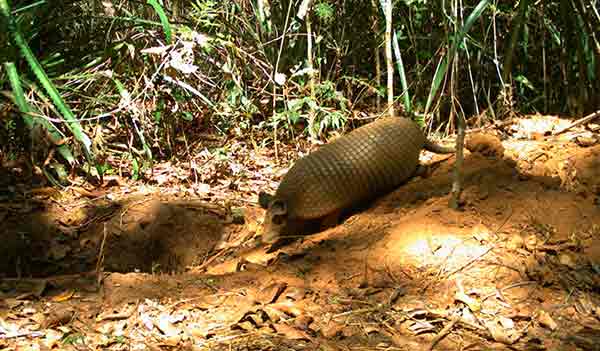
(163, 323)
(332, 329)
(274, 314)
(295, 293)
(473, 304)
(171, 340)
(500, 334)
(506, 323)
(531, 242)
(418, 327)
(271, 293)
(567, 260)
(291, 332)
(370, 329)
(303, 322)
(64, 296)
(245, 326)
(289, 308)
(515, 242)
(546, 321)
(52, 338)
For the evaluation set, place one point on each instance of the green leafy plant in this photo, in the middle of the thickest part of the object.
(327, 110)
(325, 12)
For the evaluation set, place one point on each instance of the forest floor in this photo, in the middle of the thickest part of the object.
(176, 264)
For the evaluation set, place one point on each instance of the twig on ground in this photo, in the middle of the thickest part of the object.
(580, 121)
(445, 331)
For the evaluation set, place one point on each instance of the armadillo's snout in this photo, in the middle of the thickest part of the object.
(275, 222)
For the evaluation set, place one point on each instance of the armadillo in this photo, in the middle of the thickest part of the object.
(368, 161)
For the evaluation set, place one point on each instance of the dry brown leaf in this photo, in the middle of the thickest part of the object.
(153, 347)
(271, 292)
(405, 342)
(531, 242)
(418, 327)
(105, 328)
(515, 242)
(567, 260)
(332, 329)
(499, 334)
(291, 333)
(295, 293)
(209, 301)
(260, 317)
(163, 323)
(546, 320)
(127, 312)
(325, 345)
(289, 308)
(64, 296)
(303, 322)
(200, 332)
(39, 318)
(246, 325)
(586, 141)
(172, 340)
(228, 316)
(11, 303)
(473, 304)
(87, 193)
(506, 323)
(371, 329)
(52, 338)
(274, 314)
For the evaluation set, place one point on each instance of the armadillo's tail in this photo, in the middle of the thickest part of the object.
(438, 149)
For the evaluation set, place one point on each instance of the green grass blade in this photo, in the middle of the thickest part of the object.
(71, 122)
(163, 19)
(443, 66)
(27, 111)
(402, 73)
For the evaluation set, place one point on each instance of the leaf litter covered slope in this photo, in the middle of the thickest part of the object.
(516, 268)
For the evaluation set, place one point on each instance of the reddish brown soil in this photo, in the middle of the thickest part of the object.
(517, 267)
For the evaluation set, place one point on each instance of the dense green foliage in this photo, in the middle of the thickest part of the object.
(136, 80)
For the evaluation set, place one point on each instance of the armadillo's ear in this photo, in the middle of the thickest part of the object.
(264, 199)
(278, 208)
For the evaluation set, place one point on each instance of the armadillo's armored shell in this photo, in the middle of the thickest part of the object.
(373, 158)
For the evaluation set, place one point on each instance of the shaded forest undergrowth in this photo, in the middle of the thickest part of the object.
(176, 265)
